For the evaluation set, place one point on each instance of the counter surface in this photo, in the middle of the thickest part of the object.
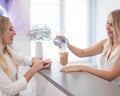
(79, 83)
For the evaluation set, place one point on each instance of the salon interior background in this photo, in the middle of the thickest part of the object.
(19, 12)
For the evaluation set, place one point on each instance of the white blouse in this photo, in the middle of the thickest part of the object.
(107, 64)
(12, 87)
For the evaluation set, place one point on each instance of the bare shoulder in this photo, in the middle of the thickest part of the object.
(102, 42)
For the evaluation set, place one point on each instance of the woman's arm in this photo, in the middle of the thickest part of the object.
(94, 50)
(36, 66)
(25, 60)
(21, 59)
(107, 75)
(14, 87)
(10, 87)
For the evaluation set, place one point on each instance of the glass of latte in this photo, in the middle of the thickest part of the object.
(63, 58)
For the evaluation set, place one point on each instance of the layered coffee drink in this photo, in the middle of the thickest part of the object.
(63, 58)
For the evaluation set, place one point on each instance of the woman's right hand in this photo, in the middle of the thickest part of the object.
(39, 64)
(60, 36)
(65, 39)
(74, 68)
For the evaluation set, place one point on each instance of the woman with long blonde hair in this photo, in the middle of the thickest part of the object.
(109, 48)
(10, 85)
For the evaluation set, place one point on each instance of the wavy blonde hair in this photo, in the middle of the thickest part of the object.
(4, 48)
(116, 25)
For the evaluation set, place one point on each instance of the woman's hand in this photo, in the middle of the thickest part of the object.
(47, 63)
(38, 65)
(74, 68)
(65, 39)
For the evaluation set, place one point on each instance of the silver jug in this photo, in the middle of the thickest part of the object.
(60, 42)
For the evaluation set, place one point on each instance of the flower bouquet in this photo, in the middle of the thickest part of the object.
(40, 32)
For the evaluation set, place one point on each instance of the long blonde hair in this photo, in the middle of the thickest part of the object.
(4, 48)
(116, 25)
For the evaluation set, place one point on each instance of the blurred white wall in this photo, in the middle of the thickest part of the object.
(19, 13)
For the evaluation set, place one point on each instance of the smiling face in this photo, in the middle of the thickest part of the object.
(109, 27)
(9, 34)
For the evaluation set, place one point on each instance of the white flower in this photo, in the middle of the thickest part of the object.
(40, 32)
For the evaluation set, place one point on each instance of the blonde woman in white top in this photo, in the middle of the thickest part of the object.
(9, 62)
(109, 48)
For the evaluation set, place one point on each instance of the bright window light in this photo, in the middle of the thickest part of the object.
(67, 17)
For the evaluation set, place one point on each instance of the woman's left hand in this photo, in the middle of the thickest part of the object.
(47, 63)
(74, 68)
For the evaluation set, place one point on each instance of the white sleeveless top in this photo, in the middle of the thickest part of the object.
(107, 64)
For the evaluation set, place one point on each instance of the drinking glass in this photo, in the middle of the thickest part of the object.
(63, 58)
